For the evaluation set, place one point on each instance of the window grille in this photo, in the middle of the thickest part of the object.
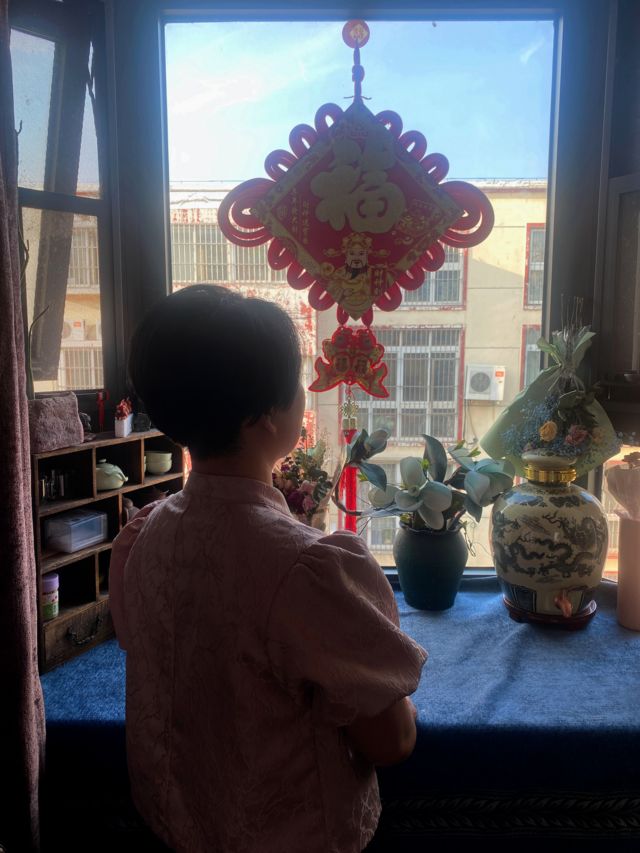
(531, 354)
(535, 266)
(422, 380)
(199, 253)
(251, 265)
(378, 533)
(80, 367)
(84, 272)
(443, 287)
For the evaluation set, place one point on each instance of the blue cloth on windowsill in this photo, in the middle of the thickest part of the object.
(502, 705)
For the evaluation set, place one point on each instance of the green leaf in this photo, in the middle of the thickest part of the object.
(374, 474)
(570, 400)
(552, 350)
(582, 344)
(437, 456)
(472, 508)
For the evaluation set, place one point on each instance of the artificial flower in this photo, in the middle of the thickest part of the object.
(548, 431)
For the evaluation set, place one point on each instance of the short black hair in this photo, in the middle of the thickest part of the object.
(206, 360)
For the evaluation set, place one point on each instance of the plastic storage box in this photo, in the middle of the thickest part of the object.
(72, 531)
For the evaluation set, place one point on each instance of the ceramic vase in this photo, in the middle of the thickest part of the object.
(430, 565)
(549, 540)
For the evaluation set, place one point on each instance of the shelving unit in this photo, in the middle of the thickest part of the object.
(84, 619)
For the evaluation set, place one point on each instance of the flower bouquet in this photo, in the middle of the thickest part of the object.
(556, 416)
(305, 484)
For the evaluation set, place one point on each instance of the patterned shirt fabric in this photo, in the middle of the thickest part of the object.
(252, 640)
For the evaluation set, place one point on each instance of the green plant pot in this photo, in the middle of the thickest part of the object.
(430, 566)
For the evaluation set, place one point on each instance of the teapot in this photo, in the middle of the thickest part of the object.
(109, 476)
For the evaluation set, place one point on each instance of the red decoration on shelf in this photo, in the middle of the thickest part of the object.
(353, 356)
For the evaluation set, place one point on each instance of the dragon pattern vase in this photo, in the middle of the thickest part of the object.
(549, 540)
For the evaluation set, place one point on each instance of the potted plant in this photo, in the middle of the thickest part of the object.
(435, 494)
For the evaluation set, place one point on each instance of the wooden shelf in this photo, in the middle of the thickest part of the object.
(51, 560)
(52, 507)
(84, 619)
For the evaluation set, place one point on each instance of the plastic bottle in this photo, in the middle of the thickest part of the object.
(49, 600)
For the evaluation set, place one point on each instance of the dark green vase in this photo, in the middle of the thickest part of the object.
(430, 566)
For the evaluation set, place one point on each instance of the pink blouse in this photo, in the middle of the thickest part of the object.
(252, 640)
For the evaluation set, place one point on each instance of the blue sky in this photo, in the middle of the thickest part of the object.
(479, 91)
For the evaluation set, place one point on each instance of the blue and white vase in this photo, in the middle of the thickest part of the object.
(549, 540)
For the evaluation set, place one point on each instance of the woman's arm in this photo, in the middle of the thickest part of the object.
(388, 738)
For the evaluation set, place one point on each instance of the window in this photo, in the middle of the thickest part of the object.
(443, 287)
(214, 140)
(58, 81)
(534, 272)
(530, 359)
(379, 533)
(423, 381)
(84, 270)
(200, 253)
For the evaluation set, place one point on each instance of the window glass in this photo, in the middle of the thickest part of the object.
(32, 67)
(62, 279)
(57, 142)
(613, 509)
(235, 90)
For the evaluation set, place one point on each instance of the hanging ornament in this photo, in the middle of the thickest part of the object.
(351, 356)
(356, 211)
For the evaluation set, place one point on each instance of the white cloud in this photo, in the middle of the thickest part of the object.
(528, 52)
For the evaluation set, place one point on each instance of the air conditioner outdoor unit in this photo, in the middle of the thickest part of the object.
(73, 330)
(485, 382)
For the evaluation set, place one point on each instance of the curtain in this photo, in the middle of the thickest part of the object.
(21, 704)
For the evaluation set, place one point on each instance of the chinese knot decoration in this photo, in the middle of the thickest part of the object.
(357, 212)
(353, 357)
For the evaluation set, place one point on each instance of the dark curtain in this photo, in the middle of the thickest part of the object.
(21, 705)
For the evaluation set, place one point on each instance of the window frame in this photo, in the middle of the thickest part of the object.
(77, 28)
(584, 56)
(578, 111)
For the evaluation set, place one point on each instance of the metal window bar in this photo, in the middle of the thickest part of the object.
(443, 287)
(251, 266)
(84, 271)
(535, 283)
(80, 367)
(378, 533)
(422, 382)
(199, 253)
(532, 355)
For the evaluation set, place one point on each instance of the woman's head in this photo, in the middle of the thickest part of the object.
(207, 361)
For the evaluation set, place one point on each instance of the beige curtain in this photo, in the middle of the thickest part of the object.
(21, 705)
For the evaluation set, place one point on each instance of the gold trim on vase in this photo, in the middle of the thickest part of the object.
(549, 475)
